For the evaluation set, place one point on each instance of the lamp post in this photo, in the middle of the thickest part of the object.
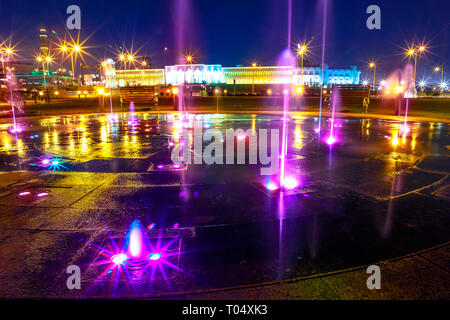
(302, 49)
(374, 67)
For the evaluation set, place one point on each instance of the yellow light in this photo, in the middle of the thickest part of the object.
(254, 64)
(122, 57)
(79, 92)
(394, 140)
(175, 90)
(372, 65)
(144, 63)
(225, 91)
(399, 89)
(85, 92)
(48, 59)
(41, 93)
(130, 58)
(437, 69)
(104, 63)
(302, 49)
(56, 93)
(9, 51)
(324, 91)
(101, 91)
(422, 48)
(63, 48)
(77, 48)
(411, 52)
(299, 90)
(39, 59)
(269, 91)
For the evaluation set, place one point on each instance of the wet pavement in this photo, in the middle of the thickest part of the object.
(71, 186)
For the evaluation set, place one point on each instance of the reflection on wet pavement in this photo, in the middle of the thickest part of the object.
(71, 187)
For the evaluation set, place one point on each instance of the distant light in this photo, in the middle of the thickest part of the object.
(290, 183)
(299, 90)
(154, 256)
(42, 194)
(101, 91)
(422, 84)
(151, 226)
(399, 89)
(45, 161)
(175, 90)
(55, 163)
(331, 140)
(365, 82)
(176, 225)
(271, 186)
(119, 258)
(25, 193)
(269, 92)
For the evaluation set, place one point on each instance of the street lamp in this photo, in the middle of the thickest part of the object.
(415, 52)
(189, 59)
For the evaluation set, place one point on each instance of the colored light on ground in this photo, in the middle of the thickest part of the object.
(177, 166)
(331, 140)
(24, 193)
(394, 141)
(42, 194)
(154, 256)
(241, 137)
(176, 225)
(161, 166)
(405, 129)
(119, 258)
(316, 130)
(16, 129)
(271, 186)
(290, 183)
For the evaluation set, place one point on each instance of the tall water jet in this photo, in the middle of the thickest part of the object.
(136, 245)
(10, 78)
(331, 138)
(286, 59)
(324, 32)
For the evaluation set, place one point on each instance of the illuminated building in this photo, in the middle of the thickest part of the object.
(216, 74)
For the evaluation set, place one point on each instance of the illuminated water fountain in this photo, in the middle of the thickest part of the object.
(136, 255)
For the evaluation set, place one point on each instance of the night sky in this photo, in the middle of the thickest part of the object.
(239, 31)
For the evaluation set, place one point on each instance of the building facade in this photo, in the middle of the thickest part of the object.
(216, 74)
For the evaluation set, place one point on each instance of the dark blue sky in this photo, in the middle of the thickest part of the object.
(239, 31)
